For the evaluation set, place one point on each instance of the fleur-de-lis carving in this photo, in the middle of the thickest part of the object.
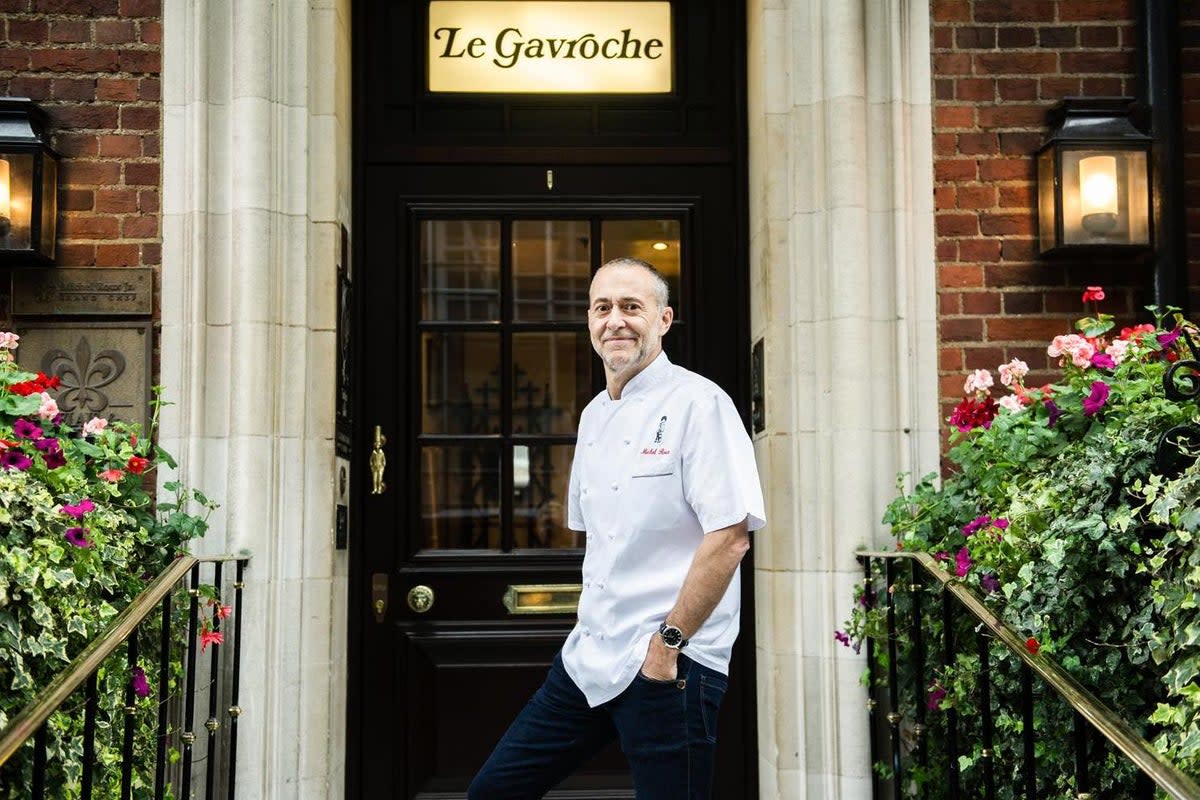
(83, 376)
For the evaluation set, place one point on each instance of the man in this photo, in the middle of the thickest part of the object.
(664, 484)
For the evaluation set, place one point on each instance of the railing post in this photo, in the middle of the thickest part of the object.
(212, 723)
(189, 700)
(1082, 780)
(920, 679)
(948, 657)
(872, 726)
(130, 712)
(234, 710)
(893, 683)
(164, 675)
(985, 701)
(91, 700)
(38, 791)
(1027, 732)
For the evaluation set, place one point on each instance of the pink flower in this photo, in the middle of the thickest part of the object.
(1096, 400)
(1116, 350)
(941, 555)
(1014, 370)
(138, 682)
(1168, 339)
(936, 695)
(962, 563)
(223, 611)
(94, 425)
(77, 537)
(8, 340)
(112, 475)
(974, 525)
(210, 637)
(49, 407)
(978, 381)
(1000, 522)
(1093, 293)
(1011, 403)
(79, 509)
(1078, 348)
(842, 637)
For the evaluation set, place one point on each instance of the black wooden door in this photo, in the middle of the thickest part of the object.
(476, 364)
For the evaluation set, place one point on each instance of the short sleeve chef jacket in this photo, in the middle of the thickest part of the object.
(653, 472)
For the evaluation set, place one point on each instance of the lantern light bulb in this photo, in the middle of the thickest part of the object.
(1098, 193)
(5, 198)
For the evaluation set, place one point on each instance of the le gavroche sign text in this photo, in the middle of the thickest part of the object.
(551, 46)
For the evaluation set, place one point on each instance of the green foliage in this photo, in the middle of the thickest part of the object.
(1057, 518)
(80, 537)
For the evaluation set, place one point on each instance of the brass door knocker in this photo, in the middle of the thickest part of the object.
(378, 463)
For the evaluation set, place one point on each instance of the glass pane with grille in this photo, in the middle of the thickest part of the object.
(551, 381)
(551, 268)
(460, 497)
(540, 477)
(460, 383)
(460, 270)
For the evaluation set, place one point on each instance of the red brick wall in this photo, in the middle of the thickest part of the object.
(94, 66)
(1190, 62)
(998, 66)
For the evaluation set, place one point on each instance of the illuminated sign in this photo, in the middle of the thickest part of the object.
(551, 46)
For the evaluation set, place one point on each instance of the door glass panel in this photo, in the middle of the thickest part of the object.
(460, 270)
(551, 381)
(460, 383)
(540, 477)
(460, 496)
(551, 269)
(652, 240)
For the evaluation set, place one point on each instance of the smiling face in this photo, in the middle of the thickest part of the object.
(625, 321)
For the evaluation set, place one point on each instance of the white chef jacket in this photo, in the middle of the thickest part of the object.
(653, 472)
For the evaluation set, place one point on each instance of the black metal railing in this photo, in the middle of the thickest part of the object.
(125, 746)
(902, 737)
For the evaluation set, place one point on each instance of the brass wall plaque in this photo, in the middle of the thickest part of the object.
(104, 367)
(62, 290)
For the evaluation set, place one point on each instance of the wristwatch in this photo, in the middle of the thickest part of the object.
(672, 637)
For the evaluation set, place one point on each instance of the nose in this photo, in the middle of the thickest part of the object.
(615, 320)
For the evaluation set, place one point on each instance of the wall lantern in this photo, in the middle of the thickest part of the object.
(28, 185)
(1094, 179)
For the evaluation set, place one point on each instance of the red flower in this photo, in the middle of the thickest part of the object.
(1093, 293)
(210, 637)
(25, 388)
(223, 611)
(112, 475)
(1136, 331)
(1031, 644)
(137, 465)
(971, 413)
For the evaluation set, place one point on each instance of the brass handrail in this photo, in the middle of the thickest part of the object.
(25, 724)
(1104, 719)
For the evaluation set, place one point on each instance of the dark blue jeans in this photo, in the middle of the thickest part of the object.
(667, 730)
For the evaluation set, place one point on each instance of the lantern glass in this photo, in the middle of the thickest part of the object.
(1046, 205)
(16, 201)
(49, 203)
(1105, 195)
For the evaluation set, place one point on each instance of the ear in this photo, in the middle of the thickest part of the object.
(667, 316)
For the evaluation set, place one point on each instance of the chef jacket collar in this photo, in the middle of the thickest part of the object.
(646, 378)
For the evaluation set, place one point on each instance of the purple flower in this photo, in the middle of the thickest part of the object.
(941, 555)
(54, 460)
(79, 509)
(971, 527)
(24, 429)
(15, 459)
(1168, 339)
(1103, 360)
(990, 582)
(1000, 522)
(141, 687)
(47, 444)
(962, 563)
(934, 701)
(1055, 413)
(77, 537)
(842, 637)
(1096, 400)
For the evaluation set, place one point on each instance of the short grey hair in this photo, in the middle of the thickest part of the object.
(661, 292)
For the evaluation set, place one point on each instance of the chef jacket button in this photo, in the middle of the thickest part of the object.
(585, 490)
(602, 637)
(628, 441)
(612, 536)
(615, 487)
(586, 632)
(590, 444)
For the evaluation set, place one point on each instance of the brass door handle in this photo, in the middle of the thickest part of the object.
(378, 462)
(420, 599)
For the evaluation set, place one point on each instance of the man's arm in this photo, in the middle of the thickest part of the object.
(713, 567)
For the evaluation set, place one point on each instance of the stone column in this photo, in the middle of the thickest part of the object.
(256, 180)
(842, 266)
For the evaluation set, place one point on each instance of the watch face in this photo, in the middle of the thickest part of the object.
(671, 636)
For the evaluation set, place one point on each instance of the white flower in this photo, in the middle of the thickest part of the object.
(8, 340)
(94, 425)
(1014, 370)
(1011, 402)
(978, 381)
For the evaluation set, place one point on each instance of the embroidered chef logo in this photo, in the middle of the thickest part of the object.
(658, 437)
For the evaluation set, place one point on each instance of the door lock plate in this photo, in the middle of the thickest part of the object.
(379, 595)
